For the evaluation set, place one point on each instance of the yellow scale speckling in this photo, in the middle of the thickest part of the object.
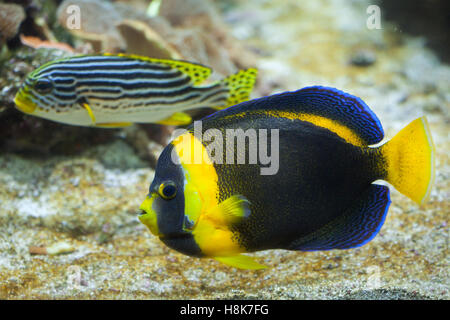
(201, 177)
(240, 85)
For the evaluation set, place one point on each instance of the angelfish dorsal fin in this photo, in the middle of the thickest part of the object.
(321, 104)
(343, 107)
(197, 72)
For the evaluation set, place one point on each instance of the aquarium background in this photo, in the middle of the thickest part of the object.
(69, 196)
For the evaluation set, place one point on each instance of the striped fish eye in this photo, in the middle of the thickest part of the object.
(167, 190)
(43, 86)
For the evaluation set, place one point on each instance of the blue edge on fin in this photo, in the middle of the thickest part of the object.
(345, 107)
(328, 102)
(359, 225)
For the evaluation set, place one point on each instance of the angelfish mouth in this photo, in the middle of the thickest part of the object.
(148, 216)
(24, 105)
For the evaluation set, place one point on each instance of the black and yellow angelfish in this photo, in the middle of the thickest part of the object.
(322, 197)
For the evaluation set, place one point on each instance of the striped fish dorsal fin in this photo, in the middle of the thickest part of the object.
(197, 72)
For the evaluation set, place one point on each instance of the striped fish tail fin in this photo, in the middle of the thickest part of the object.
(410, 160)
(239, 85)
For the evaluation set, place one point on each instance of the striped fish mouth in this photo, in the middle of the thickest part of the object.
(24, 104)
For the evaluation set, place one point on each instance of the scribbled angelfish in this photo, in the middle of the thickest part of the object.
(323, 196)
(117, 90)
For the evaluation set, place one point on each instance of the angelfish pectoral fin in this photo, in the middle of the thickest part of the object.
(90, 113)
(231, 210)
(241, 262)
(177, 119)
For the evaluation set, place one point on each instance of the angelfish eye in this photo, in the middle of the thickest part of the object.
(43, 86)
(167, 190)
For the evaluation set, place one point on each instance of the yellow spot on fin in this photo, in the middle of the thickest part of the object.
(240, 86)
(241, 262)
(197, 72)
(230, 210)
(410, 159)
(90, 113)
(177, 119)
(113, 124)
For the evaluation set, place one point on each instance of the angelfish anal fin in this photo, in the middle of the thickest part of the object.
(359, 224)
(176, 119)
(241, 262)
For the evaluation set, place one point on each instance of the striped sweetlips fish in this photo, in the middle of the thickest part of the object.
(118, 90)
(324, 195)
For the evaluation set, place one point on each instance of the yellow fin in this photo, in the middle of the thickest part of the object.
(177, 119)
(240, 86)
(230, 210)
(241, 262)
(410, 160)
(113, 124)
(197, 72)
(89, 110)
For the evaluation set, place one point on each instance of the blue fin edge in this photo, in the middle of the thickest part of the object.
(325, 238)
(336, 105)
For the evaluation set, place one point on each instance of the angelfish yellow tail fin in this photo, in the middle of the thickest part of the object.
(410, 160)
(240, 85)
(241, 261)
